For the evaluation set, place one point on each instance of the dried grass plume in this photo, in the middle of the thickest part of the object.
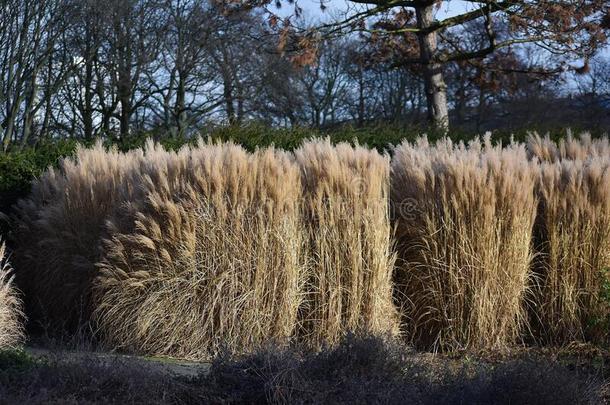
(350, 251)
(208, 256)
(11, 315)
(464, 223)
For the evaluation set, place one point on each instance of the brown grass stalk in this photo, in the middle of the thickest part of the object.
(464, 223)
(572, 236)
(349, 251)
(569, 148)
(208, 257)
(11, 315)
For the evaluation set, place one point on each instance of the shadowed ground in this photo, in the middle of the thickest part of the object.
(359, 370)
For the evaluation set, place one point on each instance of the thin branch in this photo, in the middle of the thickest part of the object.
(481, 53)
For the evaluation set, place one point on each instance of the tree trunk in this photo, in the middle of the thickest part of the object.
(240, 101)
(88, 102)
(361, 104)
(460, 102)
(436, 90)
(28, 114)
(124, 118)
(10, 121)
(8, 133)
(180, 108)
(48, 96)
(125, 79)
(124, 96)
(228, 95)
(481, 110)
(227, 85)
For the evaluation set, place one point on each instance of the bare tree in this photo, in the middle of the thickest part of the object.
(325, 84)
(133, 33)
(28, 34)
(89, 68)
(183, 83)
(593, 90)
(573, 28)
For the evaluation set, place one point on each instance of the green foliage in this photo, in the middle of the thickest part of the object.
(16, 360)
(138, 140)
(255, 135)
(601, 323)
(380, 136)
(19, 167)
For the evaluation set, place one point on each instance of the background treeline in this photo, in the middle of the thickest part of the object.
(83, 69)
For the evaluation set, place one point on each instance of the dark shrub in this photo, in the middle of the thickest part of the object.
(372, 370)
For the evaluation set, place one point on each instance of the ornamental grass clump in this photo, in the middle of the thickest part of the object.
(58, 230)
(464, 217)
(572, 240)
(569, 148)
(349, 246)
(208, 256)
(11, 315)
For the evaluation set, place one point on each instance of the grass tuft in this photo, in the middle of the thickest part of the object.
(349, 250)
(209, 255)
(572, 241)
(11, 314)
(58, 231)
(464, 223)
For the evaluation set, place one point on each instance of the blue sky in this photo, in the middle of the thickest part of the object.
(312, 8)
(334, 7)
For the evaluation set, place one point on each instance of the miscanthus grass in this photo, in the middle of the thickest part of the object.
(464, 226)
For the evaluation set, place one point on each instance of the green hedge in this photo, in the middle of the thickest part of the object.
(19, 167)
(253, 135)
(380, 137)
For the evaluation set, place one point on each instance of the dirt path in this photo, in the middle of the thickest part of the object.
(181, 368)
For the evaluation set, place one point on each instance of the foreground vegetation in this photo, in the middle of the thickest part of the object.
(185, 252)
(267, 259)
(11, 315)
(358, 369)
